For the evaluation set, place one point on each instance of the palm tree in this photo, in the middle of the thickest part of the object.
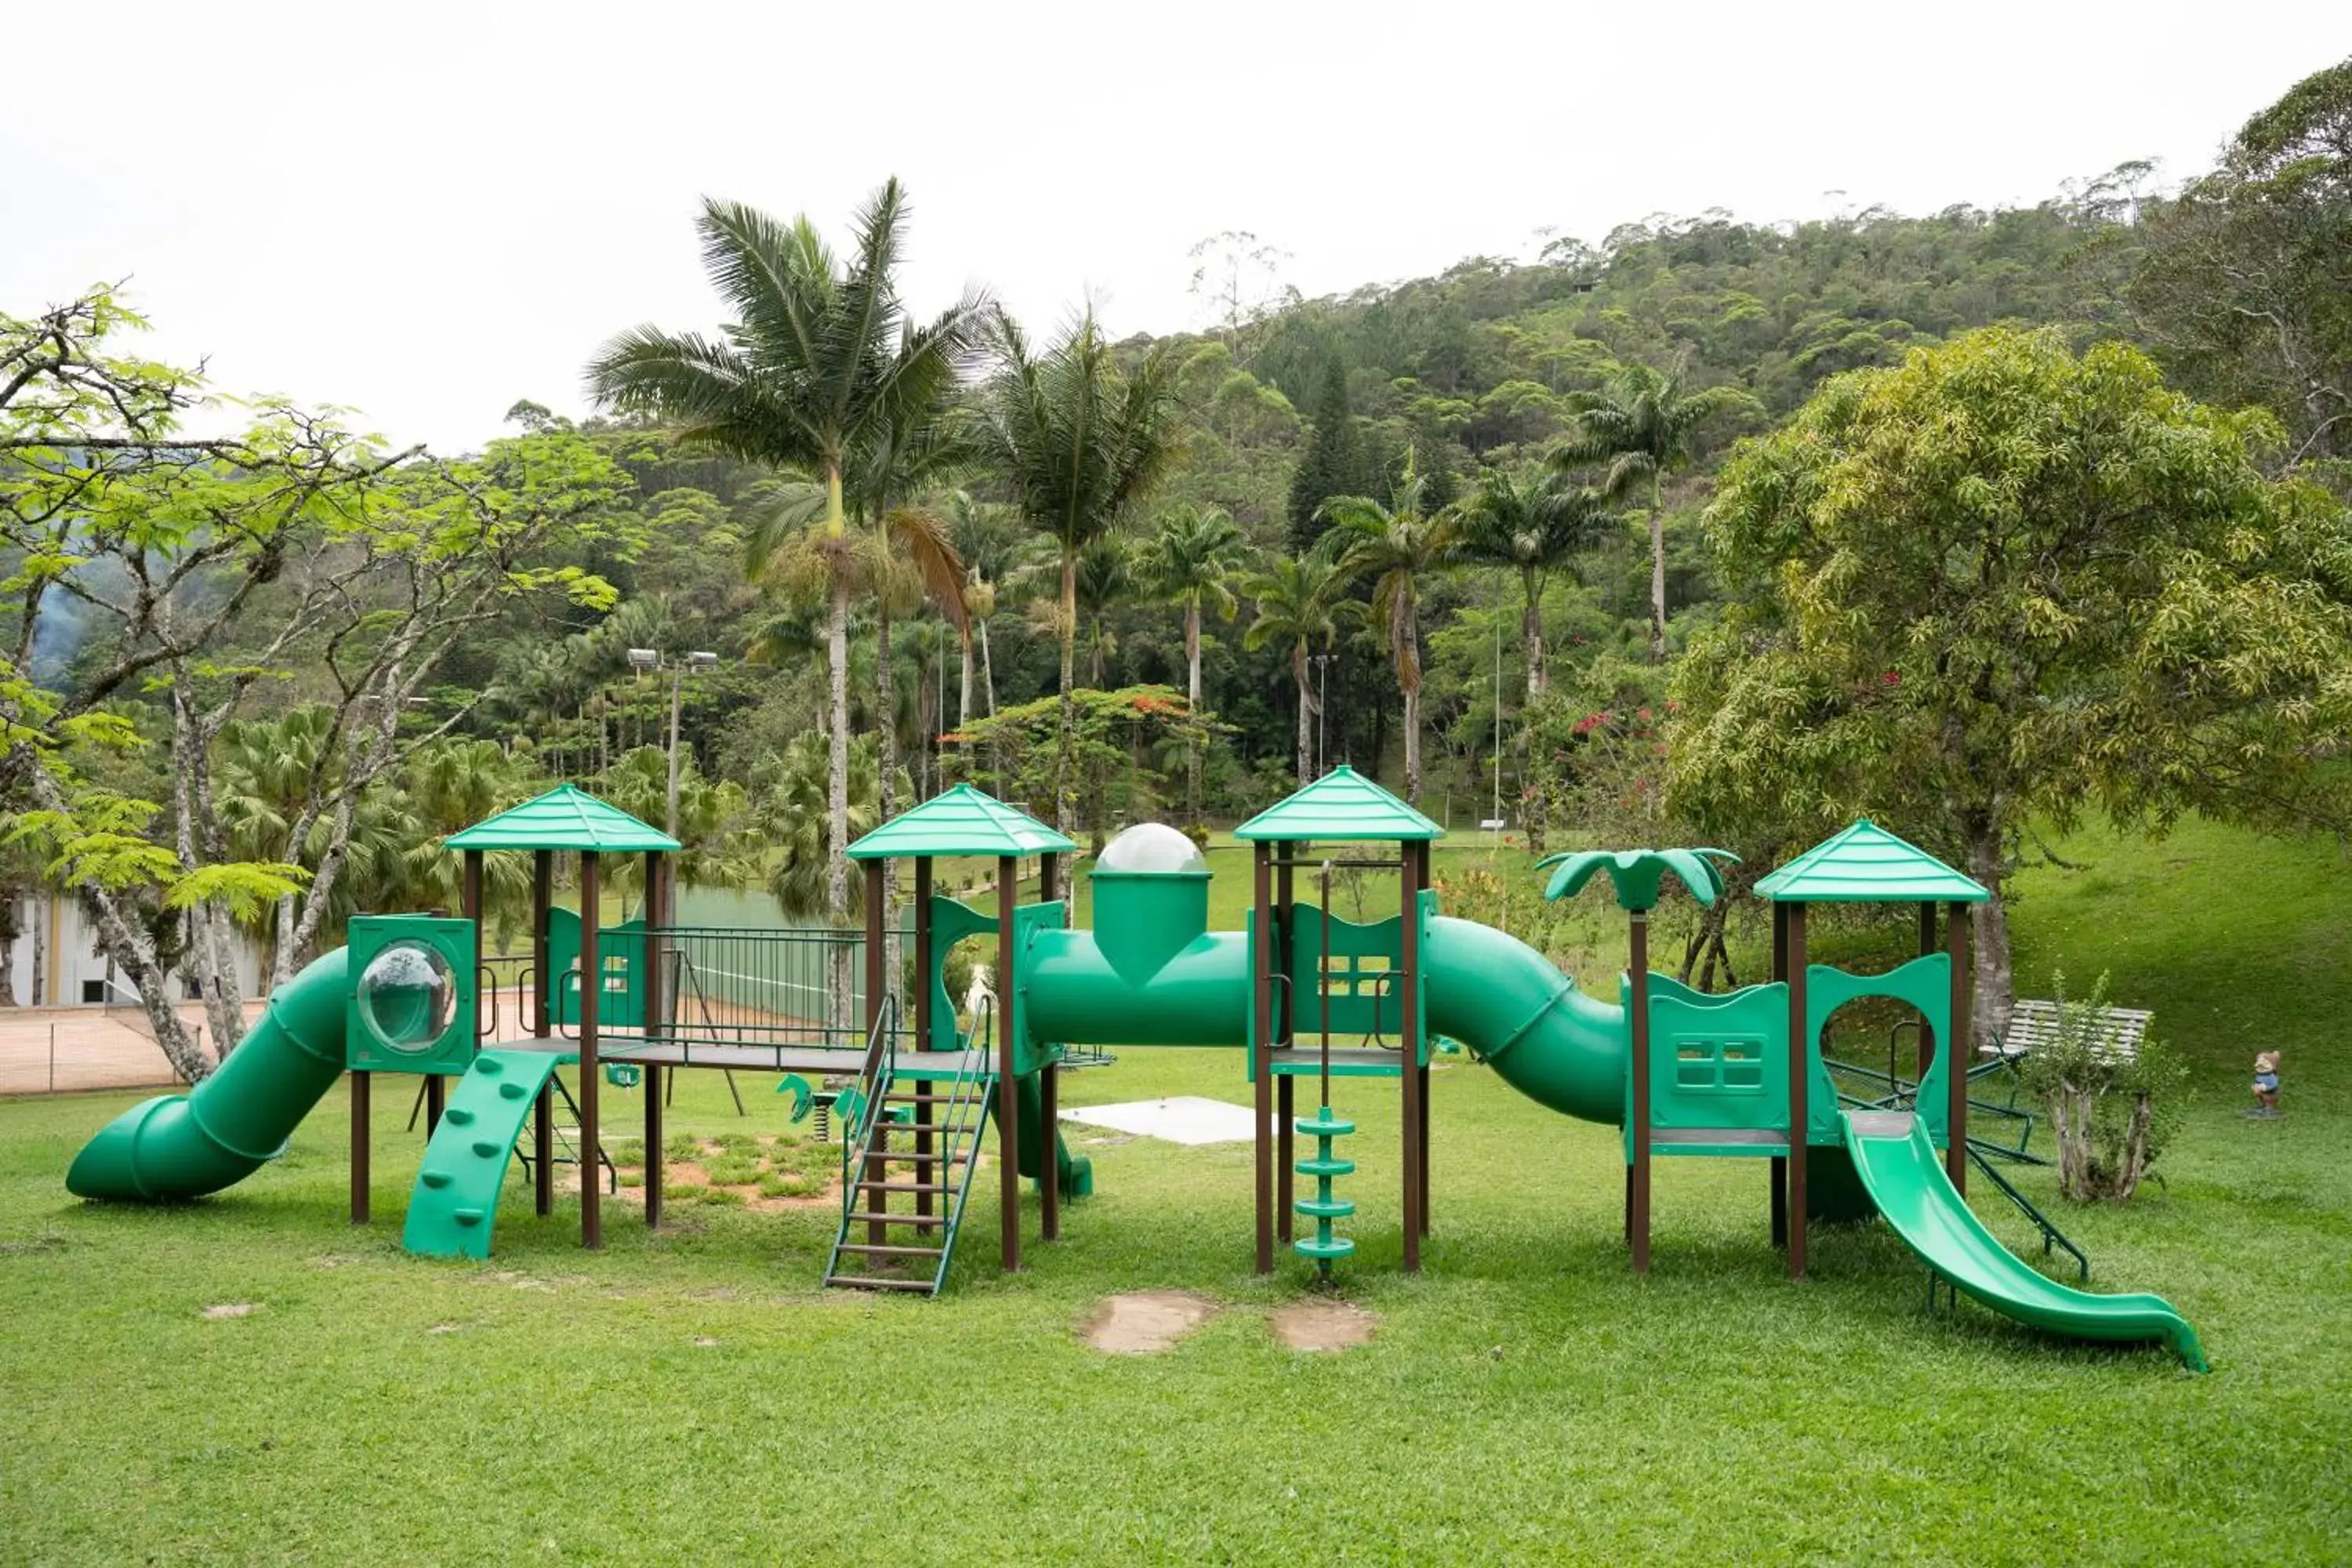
(1080, 445)
(792, 787)
(1107, 579)
(818, 371)
(1535, 526)
(1301, 599)
(1191, 562)
(987, 539)
(1642, 425)
(1400, 549)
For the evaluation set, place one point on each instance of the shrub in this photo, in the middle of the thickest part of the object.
(2111, 1115)
(682, 1146)
(732, 1170)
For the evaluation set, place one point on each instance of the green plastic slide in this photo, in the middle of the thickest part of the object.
(456, 1200)
(185, 1145)
(1526, 1020)
(1900, 1164)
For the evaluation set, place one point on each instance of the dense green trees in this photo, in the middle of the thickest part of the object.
(1192, 561)
(1400, 548)
(1302, 600)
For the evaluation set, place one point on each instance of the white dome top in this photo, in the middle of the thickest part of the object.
(1153, 848)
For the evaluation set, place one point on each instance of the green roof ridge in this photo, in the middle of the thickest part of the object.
(960, 820)
(1341, 804)
(1867, 864)
(566, 818)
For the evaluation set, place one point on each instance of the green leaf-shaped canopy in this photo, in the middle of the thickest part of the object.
(1637, 874)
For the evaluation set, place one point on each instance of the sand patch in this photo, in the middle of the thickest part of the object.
(230, 1309)
(1145, 1322)
(1322, 1324)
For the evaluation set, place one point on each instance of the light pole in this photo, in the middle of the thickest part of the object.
(650, 658)
(1322, 662)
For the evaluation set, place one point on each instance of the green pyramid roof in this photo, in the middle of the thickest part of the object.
(960, 821)
(566, 818)
(1867, 864)
(1342, 803)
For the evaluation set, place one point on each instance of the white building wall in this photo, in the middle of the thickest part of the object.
(78, 970)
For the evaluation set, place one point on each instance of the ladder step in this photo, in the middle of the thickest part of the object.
(863, 1282)
(1338, 1247)
(900, 1186)
(877, 1249)
(1320, 1208)
(903, 1098)
(915, 1219)
(1326, 1167)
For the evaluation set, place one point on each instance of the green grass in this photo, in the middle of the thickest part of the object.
(1524, 1399)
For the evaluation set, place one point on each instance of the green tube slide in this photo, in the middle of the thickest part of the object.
(1899, 1163)
(1526, 1020)
(185, 1145)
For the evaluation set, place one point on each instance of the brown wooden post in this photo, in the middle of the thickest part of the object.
(1962, 1048)
(1798, 1082)
(1927, 946)
(874, 1199)
(1779, 1162)
(542, 1025)
(661, 897)
(1417, 854)
(1408, 1037)
(1637, 1217)
(1285, 1016)
(591, 999)
(925, 1172)
(1008, 1098)
(1262, 946)
(1049, 1093)
(363, 1140)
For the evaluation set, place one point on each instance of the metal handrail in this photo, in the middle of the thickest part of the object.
(2050, 1233)
(881, 1057)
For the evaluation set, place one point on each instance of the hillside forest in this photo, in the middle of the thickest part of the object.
(1704, 531)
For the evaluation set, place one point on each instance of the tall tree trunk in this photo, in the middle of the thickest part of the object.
(1657, 566)
(1063, 794)
(40, 977)
(836, 825)
(1409, 681)
(1305, 714)
(1532, 630)
(886, 752)
(1193, 703)
(964, 686)
(1995, 973)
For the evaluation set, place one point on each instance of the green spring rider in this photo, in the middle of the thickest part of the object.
(1323, 1208)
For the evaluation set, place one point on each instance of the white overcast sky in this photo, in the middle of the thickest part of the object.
(425, 211)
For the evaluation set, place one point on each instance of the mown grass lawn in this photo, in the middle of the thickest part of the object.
(693, 1399)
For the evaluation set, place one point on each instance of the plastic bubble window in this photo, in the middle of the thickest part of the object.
(407, 998)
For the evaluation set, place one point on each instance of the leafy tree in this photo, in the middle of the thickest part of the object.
(2246, 284)
(1334, 464)
(2003, 584)
(1191, 562)
(1642, 425)
(790, 790)
(820, 373)
(1301, 600)
(1533, 526)
(1401, 549)
(1116, 731)
(1079, 445)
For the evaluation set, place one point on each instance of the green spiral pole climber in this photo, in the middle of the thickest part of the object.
(1323, 1208)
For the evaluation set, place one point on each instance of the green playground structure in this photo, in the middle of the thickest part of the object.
(1301, 992)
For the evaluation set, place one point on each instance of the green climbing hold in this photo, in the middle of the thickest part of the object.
(458, 1116)
(486, 1149)
(512, 1090)
(488, 1065)
(434, 1179)
(467, 1216)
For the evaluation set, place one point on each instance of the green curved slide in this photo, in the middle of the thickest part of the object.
(455, 1201)
(1524, 1018)
(183, 1146)
(1904, 1171)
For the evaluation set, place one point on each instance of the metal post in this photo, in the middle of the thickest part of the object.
(1779, 1162)
(677, 681)
(926, 1171)
(592, 998)
(1286, 1095)
(1418, 854)
(1049, 1091)
(1008, 1099)
(875, 1199)
(1799, 1060)
(542, 1025)
(660, 896)
(1408, 1037)
(1637, 1203)
(1962, 1046)
(361, 1137)
(1261, 1043)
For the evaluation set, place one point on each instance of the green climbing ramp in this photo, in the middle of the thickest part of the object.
(456, 1198)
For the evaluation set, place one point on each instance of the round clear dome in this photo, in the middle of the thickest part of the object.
(407, 998)
(1153, 848)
